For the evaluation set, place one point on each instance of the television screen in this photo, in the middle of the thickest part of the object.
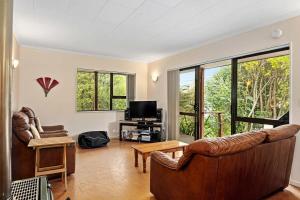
(142, 109)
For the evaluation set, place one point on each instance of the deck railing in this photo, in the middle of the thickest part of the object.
(220, 122)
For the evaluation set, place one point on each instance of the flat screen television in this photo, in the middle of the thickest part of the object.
(142, 109)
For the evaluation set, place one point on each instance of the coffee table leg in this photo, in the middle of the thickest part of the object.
(136, 161)
(144, 162)
(173, 154)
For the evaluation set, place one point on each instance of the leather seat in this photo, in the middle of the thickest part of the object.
(244, 166)
(23, 157)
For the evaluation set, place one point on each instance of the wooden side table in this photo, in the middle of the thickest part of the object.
(146, 149)
(52, 142)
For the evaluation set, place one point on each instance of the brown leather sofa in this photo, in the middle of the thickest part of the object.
(245, 166)
(23, 157)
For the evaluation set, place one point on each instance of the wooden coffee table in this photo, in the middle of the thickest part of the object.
(146, 149)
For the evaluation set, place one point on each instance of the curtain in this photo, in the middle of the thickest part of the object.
(173, 105)
(130, 87)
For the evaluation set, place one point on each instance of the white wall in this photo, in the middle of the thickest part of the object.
(258, 39)
(59, 106)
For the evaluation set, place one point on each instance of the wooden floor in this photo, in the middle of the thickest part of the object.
(109, 174)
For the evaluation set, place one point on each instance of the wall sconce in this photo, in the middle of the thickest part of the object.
(15, 63)
(154, 77)
(277, 33)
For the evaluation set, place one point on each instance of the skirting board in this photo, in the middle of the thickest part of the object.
(295, 183)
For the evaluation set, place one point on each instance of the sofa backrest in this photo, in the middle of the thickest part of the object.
(256, 172)
(214, 147)
(243, 166)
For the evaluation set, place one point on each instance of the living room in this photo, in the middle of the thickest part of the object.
(109, 72)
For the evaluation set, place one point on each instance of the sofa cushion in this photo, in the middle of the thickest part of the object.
(38, 125)
(34, 132)
(281, 132)
(21, 127)
(29, 112)
(223, 145)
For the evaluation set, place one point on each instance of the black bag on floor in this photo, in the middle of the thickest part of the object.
(93, 139)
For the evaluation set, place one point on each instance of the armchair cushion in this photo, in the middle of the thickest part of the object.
(35, 132)
(38, 124)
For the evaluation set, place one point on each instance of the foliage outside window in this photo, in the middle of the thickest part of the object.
(263, 92)
(98, 91)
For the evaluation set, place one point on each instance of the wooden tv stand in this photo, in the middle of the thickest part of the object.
(147, 125)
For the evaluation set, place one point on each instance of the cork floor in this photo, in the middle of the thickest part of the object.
(109, 174)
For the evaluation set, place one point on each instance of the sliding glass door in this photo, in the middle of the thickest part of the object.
(187, 104)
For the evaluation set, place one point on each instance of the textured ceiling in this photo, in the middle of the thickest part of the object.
(142, 30)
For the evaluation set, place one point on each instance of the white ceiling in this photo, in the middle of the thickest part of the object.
(142, 30)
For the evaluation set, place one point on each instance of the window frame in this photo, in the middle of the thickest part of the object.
(234, 93)
(96, 86)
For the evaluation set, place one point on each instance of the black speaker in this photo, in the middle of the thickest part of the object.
(159, 115)
(127, 114)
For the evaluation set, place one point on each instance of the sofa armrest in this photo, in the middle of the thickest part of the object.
(164, 160)
(53, 128)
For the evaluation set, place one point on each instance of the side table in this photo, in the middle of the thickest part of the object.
(51, 142)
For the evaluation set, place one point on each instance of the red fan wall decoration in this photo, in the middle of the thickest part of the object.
(47, 84)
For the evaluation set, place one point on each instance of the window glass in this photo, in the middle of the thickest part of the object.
(187, 91)
(103, 91)
(119, 85)
(85, 91)
(217, 100)
(119, 104)
(187, 102)
(187, 125)
(248, 126)
(263, 87)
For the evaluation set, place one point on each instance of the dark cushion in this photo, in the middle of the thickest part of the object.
(93, 139)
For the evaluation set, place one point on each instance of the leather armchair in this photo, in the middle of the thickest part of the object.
(245, 166)
(23, 157)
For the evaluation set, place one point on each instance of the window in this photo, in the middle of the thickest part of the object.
(99, 91)
(231, 96)
(261, 90)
